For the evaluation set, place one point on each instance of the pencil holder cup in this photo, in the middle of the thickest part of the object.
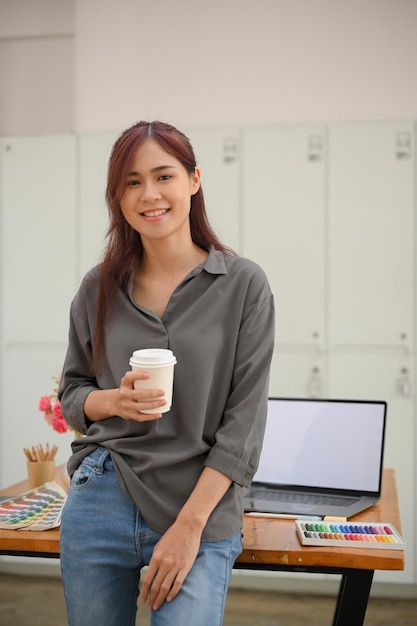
(40, 472)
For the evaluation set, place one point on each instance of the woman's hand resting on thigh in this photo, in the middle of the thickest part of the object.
(173, 557)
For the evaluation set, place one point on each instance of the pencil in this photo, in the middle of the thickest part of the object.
(28, 454)
(53, 452)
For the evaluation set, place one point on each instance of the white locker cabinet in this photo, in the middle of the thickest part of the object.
(2, 425)
(39, 231)
(389, 376)
(38, 201)
(371, 234)
(94, 152)
(298, 373)
(283, 199)
(218, 154)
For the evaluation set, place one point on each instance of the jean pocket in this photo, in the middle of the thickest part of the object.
(83, 475)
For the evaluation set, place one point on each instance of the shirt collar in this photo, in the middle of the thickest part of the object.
(215, 263)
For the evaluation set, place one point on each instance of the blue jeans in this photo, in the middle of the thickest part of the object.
(105, 542)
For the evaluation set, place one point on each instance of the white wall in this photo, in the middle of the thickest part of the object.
(239, 61)
(88, 65)
(36, 67)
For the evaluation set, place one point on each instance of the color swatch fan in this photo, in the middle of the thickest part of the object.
(38, 509)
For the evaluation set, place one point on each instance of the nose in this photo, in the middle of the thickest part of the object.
(150, 191)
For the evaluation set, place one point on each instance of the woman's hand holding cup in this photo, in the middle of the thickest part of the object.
(140, 404)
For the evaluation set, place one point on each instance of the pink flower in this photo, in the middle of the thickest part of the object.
(57, 411)
(45, 404)
(59, 424)
(51, 408)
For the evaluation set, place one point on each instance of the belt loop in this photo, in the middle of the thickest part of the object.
(103, 454)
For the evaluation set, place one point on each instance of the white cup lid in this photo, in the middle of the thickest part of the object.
(152, 357)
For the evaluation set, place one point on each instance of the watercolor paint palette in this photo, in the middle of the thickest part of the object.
(349, 535)
(37, 509)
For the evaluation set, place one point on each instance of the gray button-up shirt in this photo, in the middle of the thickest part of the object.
(219, 323)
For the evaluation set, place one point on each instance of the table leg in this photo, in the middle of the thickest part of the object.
(353, 598)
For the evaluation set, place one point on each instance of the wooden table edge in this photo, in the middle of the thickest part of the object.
(266, 542)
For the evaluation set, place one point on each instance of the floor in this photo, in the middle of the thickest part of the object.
(38, 601)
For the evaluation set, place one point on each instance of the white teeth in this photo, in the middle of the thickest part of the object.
(155, 213)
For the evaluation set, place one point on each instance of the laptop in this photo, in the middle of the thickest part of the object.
(319, 458)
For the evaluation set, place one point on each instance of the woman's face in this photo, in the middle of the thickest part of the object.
(157, 194)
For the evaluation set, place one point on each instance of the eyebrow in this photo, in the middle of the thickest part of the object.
(158, 168)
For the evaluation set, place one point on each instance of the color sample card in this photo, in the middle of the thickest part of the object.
(349, 535)
(38, 509)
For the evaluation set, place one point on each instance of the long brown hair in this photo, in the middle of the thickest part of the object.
(123, 251)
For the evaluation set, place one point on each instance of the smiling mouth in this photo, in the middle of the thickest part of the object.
(155, 213)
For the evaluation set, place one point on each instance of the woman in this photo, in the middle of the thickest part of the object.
(163, 490)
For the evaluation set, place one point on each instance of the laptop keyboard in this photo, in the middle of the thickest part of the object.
(303, 498)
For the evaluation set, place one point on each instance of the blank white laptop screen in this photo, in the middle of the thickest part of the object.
(329, 444)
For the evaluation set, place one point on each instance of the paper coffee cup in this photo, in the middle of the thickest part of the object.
(40, 472)
(159, 364)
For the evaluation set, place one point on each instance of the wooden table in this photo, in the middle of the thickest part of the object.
(272, 544)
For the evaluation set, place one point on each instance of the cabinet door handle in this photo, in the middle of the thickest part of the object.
(314, 383)
(404, 383)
